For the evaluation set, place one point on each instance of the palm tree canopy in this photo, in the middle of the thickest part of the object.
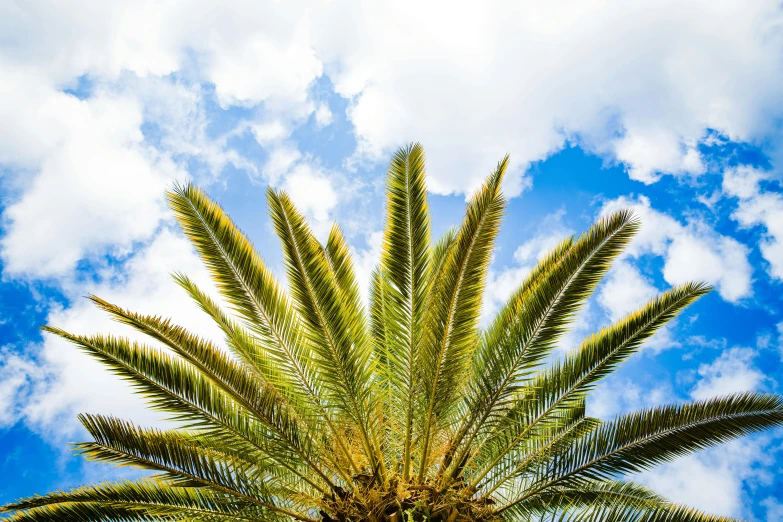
(318, 406)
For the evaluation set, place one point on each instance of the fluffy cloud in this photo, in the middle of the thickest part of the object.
(315, 190)
(365, 260)
(625, 290)
(311, 191)
(758, 207)
(539, 75)
(97, 183)
(774, 509)
(251, 52)
(691, 252)
(733, 371)
(85, 179)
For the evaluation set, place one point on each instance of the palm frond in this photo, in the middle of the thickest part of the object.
(550, 305)
(482, 390)
(244, 281)
(175, 387)
(608, 501)
(177, 458)
(454, 307)
(342, 348)
(144, 500)
(404, 265)
(640, 440)
(339, 256)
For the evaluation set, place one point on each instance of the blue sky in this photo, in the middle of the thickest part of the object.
(672, 108)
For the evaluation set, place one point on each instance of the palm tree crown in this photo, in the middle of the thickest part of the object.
(319, 408)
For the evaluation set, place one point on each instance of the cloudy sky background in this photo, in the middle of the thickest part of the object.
(673, 108)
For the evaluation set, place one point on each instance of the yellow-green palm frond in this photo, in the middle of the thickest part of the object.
(237, 269)
(607, 501)
(639, 440)
(144, 500)
(404, 273)
(453, 310)
(341, 347)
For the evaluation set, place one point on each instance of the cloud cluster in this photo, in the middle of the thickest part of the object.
(640, 83)
(758, 207)
(537, 75)
(691, 251)
(93, 183)
(733, 371)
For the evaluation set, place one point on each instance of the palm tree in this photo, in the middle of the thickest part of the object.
(318, 409)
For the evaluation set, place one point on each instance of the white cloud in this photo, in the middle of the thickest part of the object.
(648, 154)
(538, 78)
(15, 372)
(365, 260)
(181, 119)
(774, 509)
(323, 115)
(625, 290)
(315, 190)
(314, 195)
(85, 179)
(251, 52)
(269, 131)
(733, 371)
(691, 252)
(98, 185)
(55, 381)
(757, 207)
(538, 75)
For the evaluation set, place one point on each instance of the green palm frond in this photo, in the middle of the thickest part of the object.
(640, 440)
(608, 501)
(339, 256)
(404, 272)
(173, 386)
(238, 271)
(342, 348)
(542, 401)
(454, 307)
(319, 407)
(145, 500)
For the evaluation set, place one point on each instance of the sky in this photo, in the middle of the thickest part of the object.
(672, 108)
